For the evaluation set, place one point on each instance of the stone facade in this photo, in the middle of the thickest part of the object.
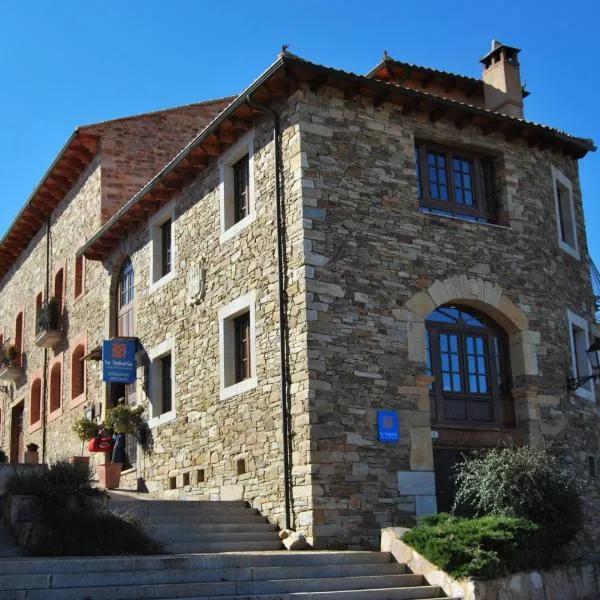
(365, 267)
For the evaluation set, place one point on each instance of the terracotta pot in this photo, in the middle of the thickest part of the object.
(79, 460)
(109, 475)
(32, 458)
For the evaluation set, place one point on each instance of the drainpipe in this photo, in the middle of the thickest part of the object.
(281, 264)
(46, 296)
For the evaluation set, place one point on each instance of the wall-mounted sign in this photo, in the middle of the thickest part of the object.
(118, 361)
(388, 426)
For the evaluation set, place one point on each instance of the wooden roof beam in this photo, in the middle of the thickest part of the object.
(410, 106)
(351, 91)
(318, 82)
(380, 98)
(463, 121)
(436, 114)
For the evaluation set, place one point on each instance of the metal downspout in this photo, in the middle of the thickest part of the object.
(281, 252)
(46, 297)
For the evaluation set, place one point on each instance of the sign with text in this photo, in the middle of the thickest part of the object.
(388, 426)
(118, 361)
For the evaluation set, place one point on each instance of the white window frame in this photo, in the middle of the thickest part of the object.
(565, 182)
(155, 233)
(163, 349)
(228, 228)
(243, 304)
(587, 391)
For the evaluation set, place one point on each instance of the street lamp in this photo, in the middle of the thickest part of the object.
(593, 353)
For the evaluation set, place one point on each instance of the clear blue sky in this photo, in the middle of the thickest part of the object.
(68, 63)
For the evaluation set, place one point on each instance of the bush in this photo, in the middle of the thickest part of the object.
(86, 429)
(84, 533)
(487, 547)
(124, 419)
(61, 477)
(522, 482)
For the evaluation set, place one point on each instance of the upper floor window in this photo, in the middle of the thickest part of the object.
(19, 337)
(162, 379)
(59, 286)
(35, 402)
(79, 283)
(579, 339)
(565, 213)
(467, 355)
(39, 304)
(125, 296)
(455, 183)
(162, 266)
(237, 187)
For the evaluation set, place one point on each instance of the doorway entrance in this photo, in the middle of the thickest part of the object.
(17, 442)
(444, 463)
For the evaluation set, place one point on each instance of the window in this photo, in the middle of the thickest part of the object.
(455, 183)
(39, 304)
(55, 387)
(59, 284)
(467, 355)
(162, 388)
(580, 363)
(565, 213)
(125, 297)
(237, 345)
(79, 282)
(237, 187)
(35, 402)
(19, 338)
(78, 373)
(162, 247)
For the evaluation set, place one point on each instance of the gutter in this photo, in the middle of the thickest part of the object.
(283, 323)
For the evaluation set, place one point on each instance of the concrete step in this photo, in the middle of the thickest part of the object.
(205, 528)
(192, 536)
(153, 577)
(204, 546)
(260, 559)
(201, 520)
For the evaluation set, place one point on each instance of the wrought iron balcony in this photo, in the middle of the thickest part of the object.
(48, 325)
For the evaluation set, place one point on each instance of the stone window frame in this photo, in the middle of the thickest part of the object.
(79, 269)
(228, 227)
(79, 341)
(228, 386)
(165, 348)
(580, 364)
(570, 219)
(35, 425)
(57, 412)
(155, 232)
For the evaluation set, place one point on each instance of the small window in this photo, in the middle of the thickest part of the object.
(79, 282)
(565, 213)
(35, 403)
(19, 337)
(237, 346)
(456, 183)
(237, 188)
(580, 363)
(55, 387)
(162, 247)
(592, 467)
(39, 303)
(77, 372)
(162, 389)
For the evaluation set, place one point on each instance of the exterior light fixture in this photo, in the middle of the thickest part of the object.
(593, 353)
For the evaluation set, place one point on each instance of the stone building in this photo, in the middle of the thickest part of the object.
(296, 260)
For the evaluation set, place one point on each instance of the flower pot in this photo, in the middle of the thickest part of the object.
(32, 458)
(109, 475)
(79, 460)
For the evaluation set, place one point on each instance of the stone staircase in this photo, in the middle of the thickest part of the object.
(184, 527)
(276, 575)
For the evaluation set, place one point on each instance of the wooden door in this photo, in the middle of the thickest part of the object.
(17, 443)
(444, 462)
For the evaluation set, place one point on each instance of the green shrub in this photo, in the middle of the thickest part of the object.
(85, 533)
(124, 419)
(487, 547)
(86, 429)
(61, 477)
(522, 482)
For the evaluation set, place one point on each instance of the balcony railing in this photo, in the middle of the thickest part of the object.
(48, 325)
(11, 368)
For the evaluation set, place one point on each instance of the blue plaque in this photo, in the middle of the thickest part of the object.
(118, 361)
(388, 426)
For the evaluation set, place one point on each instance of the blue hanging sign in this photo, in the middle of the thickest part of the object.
(118, 361)
(388, 426)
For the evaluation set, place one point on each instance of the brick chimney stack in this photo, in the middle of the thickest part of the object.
(502, 80)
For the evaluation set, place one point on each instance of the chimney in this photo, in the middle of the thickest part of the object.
(502, 80)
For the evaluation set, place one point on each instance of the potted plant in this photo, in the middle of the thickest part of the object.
(49, 317)
(10, 355)
(122, 420)
(31, 455)
(86, 430)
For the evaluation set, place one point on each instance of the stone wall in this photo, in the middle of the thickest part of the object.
(379, 266)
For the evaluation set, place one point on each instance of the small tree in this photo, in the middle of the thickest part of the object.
(522, 482)
(124, 419)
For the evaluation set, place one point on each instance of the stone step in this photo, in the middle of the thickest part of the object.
(205, 528)
(342, 588)
(201, 520)
(192, 536)
(204, 546)
(379, 594)
(270, 559)
(153, 577)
